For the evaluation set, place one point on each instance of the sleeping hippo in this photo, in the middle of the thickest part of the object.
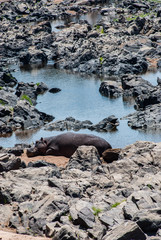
(66, 144)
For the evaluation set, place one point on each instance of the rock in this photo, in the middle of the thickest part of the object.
(159, 12)
(6, 79)
(159, 81)
(107, 124)
(128, 230)
(21, 8)
(86, 218)
(54, 90)
(34, 56)
(41, 88)
(135, 85)
(85, 158)
(146, 119)
(11, 165)
(65, 233)
(111, 155)
(28, 117)
(71, 123)
(110, 89)
(149, 221)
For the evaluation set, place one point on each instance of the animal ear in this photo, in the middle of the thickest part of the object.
(42, 139)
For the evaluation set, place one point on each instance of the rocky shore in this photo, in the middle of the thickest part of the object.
(90, 198)
(87, 199)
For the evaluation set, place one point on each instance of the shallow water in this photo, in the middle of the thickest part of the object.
(93, 17)
(152, 77)
(80, 98)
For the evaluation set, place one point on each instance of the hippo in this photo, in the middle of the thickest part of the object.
(66, 144)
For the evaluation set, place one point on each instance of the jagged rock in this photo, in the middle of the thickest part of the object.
(128, 230)
(149, 118)
(86, 218)
(85, 158)
(6, 79)
(70, 123)
(148, 220)
(107, 124)
(28, 116)
(65, 233)
(10, 165)
(135, 85)
(110, 89)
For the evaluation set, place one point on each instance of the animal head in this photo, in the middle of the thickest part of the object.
(39, 148)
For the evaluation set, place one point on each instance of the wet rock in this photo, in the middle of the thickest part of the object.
(6, 79)
(159, 81)
(107, 124)
(110, 89)
(29, 117)
(41, 88)
(146, 119)
(54, 90)
(34, 56)
(71, 123)
(134, 85)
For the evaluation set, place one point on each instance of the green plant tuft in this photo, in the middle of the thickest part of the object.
(27, 98)
(38, 84)
(1, 88)
(117, 204)
(102, 30)
(96, 211)
(101, 60)
(70, 218)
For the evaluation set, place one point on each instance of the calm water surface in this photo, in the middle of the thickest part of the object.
(79, 98)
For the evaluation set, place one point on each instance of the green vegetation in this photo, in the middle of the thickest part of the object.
(70, 218)
(101, 60)
(98, 27)
(117, 204)
(150, 186)
(115, 19)
(2, 102)
(11, 109)
(102, 30)
(27, 98)
(1, 88)
(142, 15)
(38, 84)
(96, 211)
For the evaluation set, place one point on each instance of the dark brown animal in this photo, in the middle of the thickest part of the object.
(66, 144)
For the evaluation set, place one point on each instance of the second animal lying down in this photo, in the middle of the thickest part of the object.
(66, 144)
